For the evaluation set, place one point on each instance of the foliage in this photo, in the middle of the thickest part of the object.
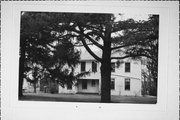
(130, 38)
(50, 39)
(53, 89)
(40, 46)
(149, 49)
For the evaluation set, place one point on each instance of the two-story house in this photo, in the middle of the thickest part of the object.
(125, 77)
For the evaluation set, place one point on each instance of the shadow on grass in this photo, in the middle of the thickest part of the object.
(90, 98)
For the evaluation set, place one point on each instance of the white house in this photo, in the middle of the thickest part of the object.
(125, 79)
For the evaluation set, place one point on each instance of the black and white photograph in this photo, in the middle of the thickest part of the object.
(88, 57)
(105, 60)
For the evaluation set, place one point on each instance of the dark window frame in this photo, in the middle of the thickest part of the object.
(127, 67)
(94, 66)
(127, 84)
(83, 66)
(112, 83)
(113, 67)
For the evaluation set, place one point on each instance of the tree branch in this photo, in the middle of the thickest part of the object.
(117, 47)
(81, 32)
(90, 51)
(93, 41)
(95, 27)
(80, 45)
(134, 55)
(94, 32)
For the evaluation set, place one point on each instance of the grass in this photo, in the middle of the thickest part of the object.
(86, 98)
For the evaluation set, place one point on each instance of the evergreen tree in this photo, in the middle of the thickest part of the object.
(130, 38)
(42, 51)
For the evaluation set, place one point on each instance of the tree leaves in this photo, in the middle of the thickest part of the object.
(46, 49)
(49, 39)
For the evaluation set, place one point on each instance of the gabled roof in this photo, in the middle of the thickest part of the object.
(85, 54)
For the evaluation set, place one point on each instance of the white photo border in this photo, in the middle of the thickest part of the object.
(167, 99)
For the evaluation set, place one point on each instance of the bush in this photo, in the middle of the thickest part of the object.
(53, 90)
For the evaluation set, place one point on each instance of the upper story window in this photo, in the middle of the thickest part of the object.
(112, 84)
(83, 66)
(127, 67)
(127, 83)
(112, 67)
(94, 66)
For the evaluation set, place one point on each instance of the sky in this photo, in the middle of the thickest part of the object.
(134, 16)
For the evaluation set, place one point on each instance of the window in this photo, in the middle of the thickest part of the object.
(84, 84)
(127, 67)
(112, 84)
(127, 84)
(94, 67)
(93, 83)
(83, 66)
(69, 86)
(112, 67)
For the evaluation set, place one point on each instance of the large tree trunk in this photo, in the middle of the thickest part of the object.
(105, 82)
(106, 65)
(106, 73)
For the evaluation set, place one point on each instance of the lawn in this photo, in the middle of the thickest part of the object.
(87, 98)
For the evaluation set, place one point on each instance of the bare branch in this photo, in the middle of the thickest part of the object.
(81, 32)
(90, 51)
(127, 56)
(99, 28)
(94, 32)
(134, 55)
(93, 41)
(121, 46)
(80, 45)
